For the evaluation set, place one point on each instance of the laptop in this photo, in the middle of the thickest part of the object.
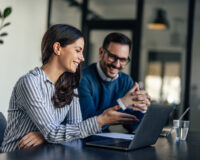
(147, 133)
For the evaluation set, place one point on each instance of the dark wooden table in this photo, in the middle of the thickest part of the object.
(164, 149)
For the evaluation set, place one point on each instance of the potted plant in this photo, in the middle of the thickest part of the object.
(3, 15)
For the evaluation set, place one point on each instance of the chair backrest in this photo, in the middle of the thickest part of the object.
(3, 124)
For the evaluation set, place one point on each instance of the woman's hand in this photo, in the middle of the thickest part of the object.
(111, 116)
(31, 140)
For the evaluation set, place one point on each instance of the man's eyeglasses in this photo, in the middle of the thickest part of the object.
(114, 58)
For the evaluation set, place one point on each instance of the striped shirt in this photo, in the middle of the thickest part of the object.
(31, 109)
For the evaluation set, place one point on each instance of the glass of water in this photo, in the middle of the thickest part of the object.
(181, 128)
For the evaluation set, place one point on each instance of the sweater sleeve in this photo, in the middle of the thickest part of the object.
(129, 83)
(42, 116)
(86, 100)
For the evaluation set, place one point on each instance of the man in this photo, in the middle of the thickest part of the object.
(103, 85)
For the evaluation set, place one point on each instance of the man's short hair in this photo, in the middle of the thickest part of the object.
(117, 38)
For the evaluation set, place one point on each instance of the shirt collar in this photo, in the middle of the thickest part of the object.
(43, 74)
(102, 74)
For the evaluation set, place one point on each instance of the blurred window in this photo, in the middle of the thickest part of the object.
(163, 80)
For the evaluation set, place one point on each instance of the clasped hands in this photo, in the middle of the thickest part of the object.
(136, 99)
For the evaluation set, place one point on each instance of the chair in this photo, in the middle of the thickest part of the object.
(3, 124)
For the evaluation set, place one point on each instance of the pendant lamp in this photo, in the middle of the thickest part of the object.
(160, 22)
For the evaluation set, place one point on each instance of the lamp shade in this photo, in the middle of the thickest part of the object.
(160, 22)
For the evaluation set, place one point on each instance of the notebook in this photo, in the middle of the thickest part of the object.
(147, 133)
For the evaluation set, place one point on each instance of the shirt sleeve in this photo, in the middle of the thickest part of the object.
(88, 107)
(43, 116)
(74, 114)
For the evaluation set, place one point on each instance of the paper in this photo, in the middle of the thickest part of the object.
(116, 135)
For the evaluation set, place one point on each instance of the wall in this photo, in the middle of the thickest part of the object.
(21, 49)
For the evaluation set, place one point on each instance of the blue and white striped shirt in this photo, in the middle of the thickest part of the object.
(31, 109)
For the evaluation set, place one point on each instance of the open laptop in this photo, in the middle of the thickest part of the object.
(147, 132)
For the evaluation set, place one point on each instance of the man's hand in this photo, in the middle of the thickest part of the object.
(141, 100)
(136, 99)
(31, 140)
(111, 116)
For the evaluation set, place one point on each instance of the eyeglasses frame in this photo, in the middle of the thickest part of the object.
(116, 57)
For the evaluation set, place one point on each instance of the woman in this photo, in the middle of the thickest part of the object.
(44, 97)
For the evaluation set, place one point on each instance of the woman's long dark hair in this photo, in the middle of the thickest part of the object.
(67, 82)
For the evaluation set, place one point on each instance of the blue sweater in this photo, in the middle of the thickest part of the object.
(96, 95)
